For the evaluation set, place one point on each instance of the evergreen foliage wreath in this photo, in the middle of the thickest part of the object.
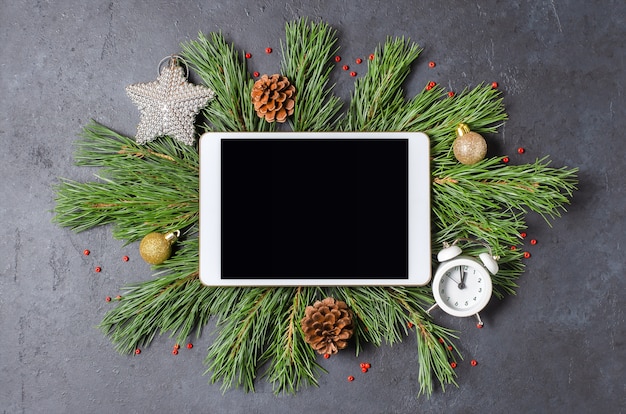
(154, 187)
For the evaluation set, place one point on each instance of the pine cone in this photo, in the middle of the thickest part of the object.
(273, 98)
(327, 325)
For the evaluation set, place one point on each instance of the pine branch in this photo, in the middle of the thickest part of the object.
(235, 356)
(224, 71)
(174, 301)
(436, 348)
(434, 113)
(307, 56)
(487, 185)
(142, 188)
(433, 355)
(292, 360)
(377, 97)
(378, 318)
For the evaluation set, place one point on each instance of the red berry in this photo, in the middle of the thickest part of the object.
(410, 325)
(474, 362)
(189, 345)
(363, 369)
(350, 378)
(337, 58)
(533, 242)
(521, 150)
(431, 84)
(428, 87)
(359, 61)
(174, 351)
(326, 356)
(137, 351)
(108, 298)
(453, 364)
(176, 346)
(368, 365)
(505, 160)
(513, 248)
(353, 74)
(371, 57)
(248, 55)
(479, 325)
(98, 269)
(255, 74)
(526, 255)
(362, 364)
(431, 64)
(451, 94)
(449, 347)
(86, 252)
(441, 340)
(494, 85)
(268, 50)
(118, 297)
(125, 258)
(522, 235)
(345, 67)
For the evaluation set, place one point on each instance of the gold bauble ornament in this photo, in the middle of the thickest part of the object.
(469, 147)
(155, 248)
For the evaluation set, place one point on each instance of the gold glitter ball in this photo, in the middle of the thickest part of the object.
(155, 248)
(469, 147)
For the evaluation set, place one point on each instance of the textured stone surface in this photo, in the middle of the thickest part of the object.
(557, 346)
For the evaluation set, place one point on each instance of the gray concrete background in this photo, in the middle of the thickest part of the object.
(557, 346)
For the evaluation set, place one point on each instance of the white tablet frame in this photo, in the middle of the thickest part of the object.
(419, 240)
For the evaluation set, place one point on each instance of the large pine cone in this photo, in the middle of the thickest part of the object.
(273, 98)
(327, 325)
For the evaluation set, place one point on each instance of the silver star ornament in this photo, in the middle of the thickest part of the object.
(168, 105)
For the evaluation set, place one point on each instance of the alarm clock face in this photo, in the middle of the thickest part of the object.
(462, 286)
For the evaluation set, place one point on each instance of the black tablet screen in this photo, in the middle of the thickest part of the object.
(314, 208)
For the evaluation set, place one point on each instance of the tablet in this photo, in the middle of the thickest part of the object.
(321, 209)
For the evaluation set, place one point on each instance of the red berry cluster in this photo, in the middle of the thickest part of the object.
(248, 55)
(177, 347)
(473, 363)
(98, 269)
(358, 61)
(365, 366)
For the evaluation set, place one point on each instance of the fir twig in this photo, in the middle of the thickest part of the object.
(175, 301)
(141, 189)
(235, 356)
(378, 96)
(224, 71)
(307, 55)
(292, 361)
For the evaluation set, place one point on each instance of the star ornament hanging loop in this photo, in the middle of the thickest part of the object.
(168, 105)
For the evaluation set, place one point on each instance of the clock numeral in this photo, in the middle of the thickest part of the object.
(474, 297)
(442, 290)
(480, 290)
(448, 298)
(466, 303)
(456, 303)
(479, 280)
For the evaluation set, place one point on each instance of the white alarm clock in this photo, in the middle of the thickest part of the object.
(462, 284)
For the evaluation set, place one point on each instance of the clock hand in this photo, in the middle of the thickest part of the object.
(453, 279)
(463, 274)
